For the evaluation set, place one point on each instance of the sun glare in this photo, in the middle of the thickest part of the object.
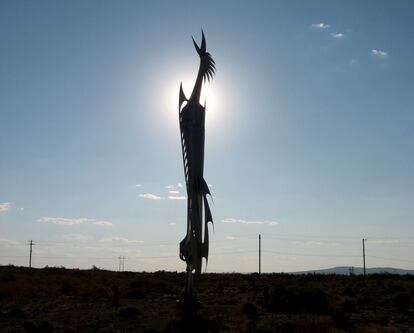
(208, 97)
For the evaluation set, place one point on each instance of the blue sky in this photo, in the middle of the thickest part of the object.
(309, 134)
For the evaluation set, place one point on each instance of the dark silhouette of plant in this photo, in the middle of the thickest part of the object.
(402, 301)
(129, 312)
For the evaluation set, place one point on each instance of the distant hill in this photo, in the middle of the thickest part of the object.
(345, 270)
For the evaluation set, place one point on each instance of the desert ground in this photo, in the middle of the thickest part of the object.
(71, 300)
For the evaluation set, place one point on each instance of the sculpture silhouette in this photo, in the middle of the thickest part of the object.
(194, 247)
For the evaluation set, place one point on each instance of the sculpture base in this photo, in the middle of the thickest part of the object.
(190, 321)
(189, 305)
(188, 302)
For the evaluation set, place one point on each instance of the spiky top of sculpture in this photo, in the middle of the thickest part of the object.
(206, 70)
(194, 247)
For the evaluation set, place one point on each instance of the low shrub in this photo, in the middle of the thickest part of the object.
(137, 283)
(402, 301)
(129, 312)
(135, 294)
(42, 327)
(298, 298)
(16, 313)
(67, 287)
(249, 310)
(349, 291)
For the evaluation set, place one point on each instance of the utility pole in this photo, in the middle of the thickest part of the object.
(30, 255)
(260, 254)
(121, 263)
(363, 253)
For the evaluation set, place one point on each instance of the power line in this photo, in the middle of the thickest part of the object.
(174, 256)
(232, 250)
(283, 237)
(393, 259)
(313, 255)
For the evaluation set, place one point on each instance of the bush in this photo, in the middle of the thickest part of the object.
(7, 277)
(137, 283)
(350, 305)
(16, 313)
(402, 301)
(129, 312)
(108, 329)
(281, 299)
(314, 300)
(295, 299)
(341, 319)
(349, 291)
(160, 285)
(249, 310)
(67, 287)
(42, 327)
(135, 294)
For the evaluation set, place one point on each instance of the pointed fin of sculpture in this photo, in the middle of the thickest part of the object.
(203, 42)
(204, 187)
(205, 248)
(196, 46)
(208, 66)
(207, 212)
(182, 98)
(207, 218)
(200, 49)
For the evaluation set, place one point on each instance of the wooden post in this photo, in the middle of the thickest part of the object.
(363, 253)
(260, 254)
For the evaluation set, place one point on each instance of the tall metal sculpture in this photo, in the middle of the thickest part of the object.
(194, 247)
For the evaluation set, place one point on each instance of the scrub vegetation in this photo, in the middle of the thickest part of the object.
(71, 300)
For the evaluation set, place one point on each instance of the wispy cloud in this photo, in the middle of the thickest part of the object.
(177, 197)
(172, 223)
(231, 238)
(337, 35)
(241, 221)
(103, 223)
(73, 221)
(174, 186)
(320, 25)
(8, 242)
(308, 243)
(384, 241)
(77, 237)
(4, 206)
(379, 53)
(354, 62)
(138, 185)
(149, 196)
(174, 192)
(64, 221)
(116, 239)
